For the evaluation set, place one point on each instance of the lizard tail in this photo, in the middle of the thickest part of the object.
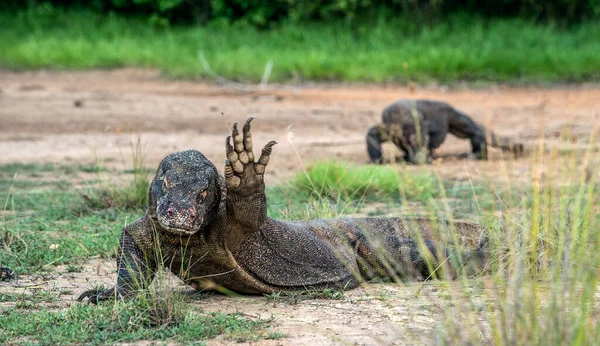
(507, 144)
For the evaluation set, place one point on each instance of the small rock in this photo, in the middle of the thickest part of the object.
(6, 274)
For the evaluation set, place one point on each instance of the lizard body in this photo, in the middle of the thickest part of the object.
(413, 125)
(213, 231)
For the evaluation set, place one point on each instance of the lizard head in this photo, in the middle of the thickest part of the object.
(411, 144)
(185, 193)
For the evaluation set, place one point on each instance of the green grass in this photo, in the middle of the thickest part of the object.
(540, 285)
(341, 180)
(36, 170)
(457, 48)
(47, 222)
(123, 322)
(133, 196)
(546, 259)
(330, 188)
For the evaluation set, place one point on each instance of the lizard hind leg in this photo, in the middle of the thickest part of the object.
(400, 259)
(392, 258)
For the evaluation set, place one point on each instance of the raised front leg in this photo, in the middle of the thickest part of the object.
(246, 199)
(135, 272)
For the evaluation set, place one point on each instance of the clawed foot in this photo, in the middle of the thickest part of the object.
(95, 296)
(240, 169)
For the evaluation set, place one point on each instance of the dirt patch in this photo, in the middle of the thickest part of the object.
(398, 314)
(86, 117)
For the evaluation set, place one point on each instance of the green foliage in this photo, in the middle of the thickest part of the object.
(399, 50)
(52, 223)
(133, 196)
(36, 297)
(331, 189)
(44, 229)
(341, 180)
(123, 322)
(265, 13)
(543, 282)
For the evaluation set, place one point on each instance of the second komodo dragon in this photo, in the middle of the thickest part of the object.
(214, 232)
(413, 125)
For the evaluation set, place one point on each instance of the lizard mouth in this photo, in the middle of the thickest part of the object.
(177, 230)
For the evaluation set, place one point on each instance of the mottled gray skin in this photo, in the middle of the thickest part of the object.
(214, 232)
(415, 124)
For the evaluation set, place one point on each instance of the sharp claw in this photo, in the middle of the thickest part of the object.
(249, 120)
(269, 145)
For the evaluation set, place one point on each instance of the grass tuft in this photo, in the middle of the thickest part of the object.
(124, 322)
(544, 275)
(133, 196)
(456, 48)
(342, 180)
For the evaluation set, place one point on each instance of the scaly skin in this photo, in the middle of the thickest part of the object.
(214, 232)
(434, 120)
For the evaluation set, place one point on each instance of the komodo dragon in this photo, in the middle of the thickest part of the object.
(213, 232)
(402, 120)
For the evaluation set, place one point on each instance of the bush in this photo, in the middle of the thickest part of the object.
(265, 13)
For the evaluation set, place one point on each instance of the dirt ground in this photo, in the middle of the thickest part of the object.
(97, 115)
(83, 117)
(375, 314)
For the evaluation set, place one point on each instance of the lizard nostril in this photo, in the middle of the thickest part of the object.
(171, 211)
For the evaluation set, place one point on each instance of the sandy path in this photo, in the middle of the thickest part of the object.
(87, 116)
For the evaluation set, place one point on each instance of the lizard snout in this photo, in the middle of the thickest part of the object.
(187, 214)
(177, 217)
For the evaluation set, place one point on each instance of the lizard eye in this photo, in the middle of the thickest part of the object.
(165, 185)
(203, 195)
